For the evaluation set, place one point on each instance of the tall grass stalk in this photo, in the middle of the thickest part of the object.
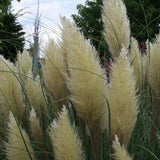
(96, 108)
(92, 110)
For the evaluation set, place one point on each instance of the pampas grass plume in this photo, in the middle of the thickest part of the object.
(87, 83)
(120, 151)
(35, 94)
(153, 80)
(116, 25)
(138, 63)
(63, 43)
(154, 71)
(54, 71)
(37, 134)
(36, 128)
(64, 138)
(15, 147)
(87, 79)
(11, 97)
(122, 99)
(24, 64)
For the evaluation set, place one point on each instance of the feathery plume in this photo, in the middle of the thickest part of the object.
(35, 94)
(63, 44)
(24, 64)
(18, 147)
(138, 63)
(11, 97)
(53, 71)
(37, 134)
(153, 79)
(120, 151)
(116, 24)
(122, 99)
(87, 83)
(64, 138)
(154, 72)
(36, 128)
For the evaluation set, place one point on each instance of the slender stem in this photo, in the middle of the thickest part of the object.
(155, 114)
(96, 137)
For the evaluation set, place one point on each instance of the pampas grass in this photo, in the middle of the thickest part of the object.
(65, 141)
(138, 63)
(54, 71)
(11, 97)
(96, 108)
(65, 28)
(24, 64)
(120, 152)
(36, 128)
(18, 146)
(153, 80)
(37, 134)
(34, 88)
(116, 25)
(84, 67)
(86, 81)
(122, 99)
(154, 73)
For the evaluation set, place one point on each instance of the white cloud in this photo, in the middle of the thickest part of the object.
(50, 10)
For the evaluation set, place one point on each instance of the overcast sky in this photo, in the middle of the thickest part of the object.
(50, 10)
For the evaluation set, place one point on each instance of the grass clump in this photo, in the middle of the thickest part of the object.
(35, 125)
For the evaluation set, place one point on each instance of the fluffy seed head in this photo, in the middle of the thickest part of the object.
(11, 97)
(116, 25)
(138, 63)
(87, 80)
(64, 138)
(122, 99)
(64, 44)
(15, 147)
(154, 71)
(54, 71)
(35, 94)
(36, 129)
(24, 64)
(120, 151)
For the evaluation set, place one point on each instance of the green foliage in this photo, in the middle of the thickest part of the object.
(143, 15)
(140, 144)
(144, 18)
(11, 34)
(90, 23)
(4, 5)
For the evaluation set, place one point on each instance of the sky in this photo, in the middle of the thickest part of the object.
(50, 11)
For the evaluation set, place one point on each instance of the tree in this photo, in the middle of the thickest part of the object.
(89, 21)
(4, 5)
(144, 18)
(11, 34)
